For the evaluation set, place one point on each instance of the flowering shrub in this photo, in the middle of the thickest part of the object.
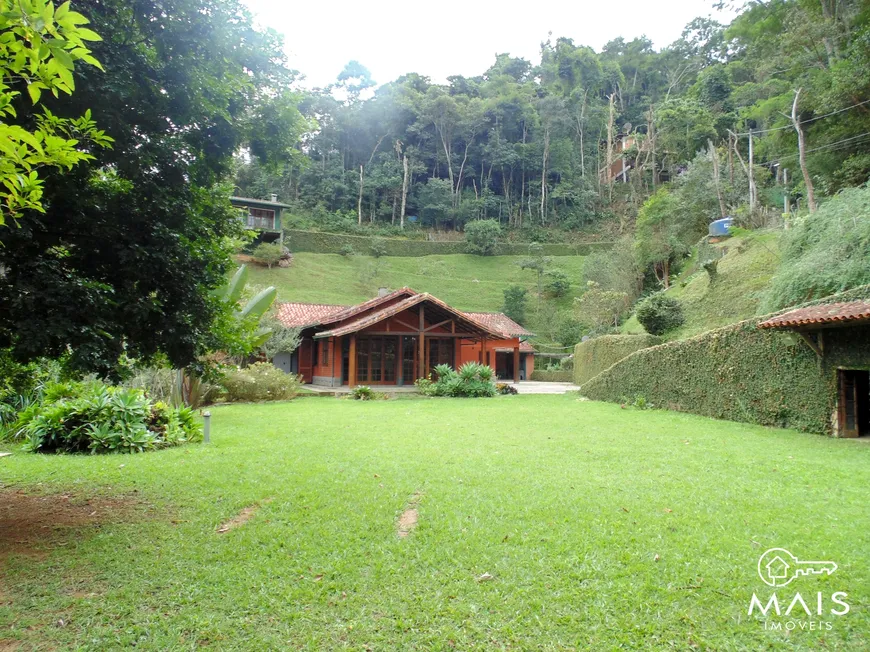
(261, 381)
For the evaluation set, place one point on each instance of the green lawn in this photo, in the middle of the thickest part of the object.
(566, 503)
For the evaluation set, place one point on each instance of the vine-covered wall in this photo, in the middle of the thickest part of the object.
(332, 243)
(599, 353)
(742, 373)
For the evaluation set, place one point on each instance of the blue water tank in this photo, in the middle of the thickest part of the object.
(720, 228)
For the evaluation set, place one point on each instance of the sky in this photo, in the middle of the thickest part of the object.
(439, 39)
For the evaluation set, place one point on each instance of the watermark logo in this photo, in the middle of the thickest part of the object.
(777, 567)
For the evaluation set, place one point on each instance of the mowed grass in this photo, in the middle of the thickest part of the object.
(603, 528)
(474, 283)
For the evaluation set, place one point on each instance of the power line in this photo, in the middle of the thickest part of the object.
(805, 122)
(835, 145)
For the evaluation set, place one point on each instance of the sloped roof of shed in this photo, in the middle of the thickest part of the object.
(821, 316)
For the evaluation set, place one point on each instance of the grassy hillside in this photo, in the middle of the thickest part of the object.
(744, 273)
(464, 281)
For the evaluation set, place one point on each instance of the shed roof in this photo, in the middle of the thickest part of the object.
(822, 316)
(250, 201)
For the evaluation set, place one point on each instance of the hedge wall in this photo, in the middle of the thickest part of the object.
(332, 243)
(563, 376)
(597, 354)
(742, 373)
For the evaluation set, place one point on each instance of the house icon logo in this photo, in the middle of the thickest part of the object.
(778, 567)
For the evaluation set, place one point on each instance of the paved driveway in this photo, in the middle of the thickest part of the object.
(538, 387)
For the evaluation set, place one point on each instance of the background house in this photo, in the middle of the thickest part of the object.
(262, 215)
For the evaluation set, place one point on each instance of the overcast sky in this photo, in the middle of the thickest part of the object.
(438, 39)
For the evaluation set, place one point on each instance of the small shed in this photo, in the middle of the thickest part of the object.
(839, 334)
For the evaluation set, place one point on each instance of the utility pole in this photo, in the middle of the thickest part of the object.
(751, 175)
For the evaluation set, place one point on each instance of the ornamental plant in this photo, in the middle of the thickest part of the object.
(96, 418)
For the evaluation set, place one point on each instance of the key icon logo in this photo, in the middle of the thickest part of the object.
(777, 567)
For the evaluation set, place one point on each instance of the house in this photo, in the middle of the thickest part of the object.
(398, 337)
(622, 162)
(839, 334)
(263, 216)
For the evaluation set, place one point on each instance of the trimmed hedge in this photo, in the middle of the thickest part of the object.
(741, 373)
(563, 376)
(332, 243)
(597, 354)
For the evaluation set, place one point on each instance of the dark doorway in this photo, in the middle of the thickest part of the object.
(854, 402)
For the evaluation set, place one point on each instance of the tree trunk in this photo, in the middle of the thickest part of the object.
(359, 201)
(802, 153)
(544, 177)
(609, 154)
(714, 154)
(404, 190)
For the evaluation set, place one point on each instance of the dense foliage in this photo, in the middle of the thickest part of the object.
(824, 253)
(133, 241)
(261, 381)
(659, 313)
(529, 143)
(40, 46)
(95, 418)
(481, 237)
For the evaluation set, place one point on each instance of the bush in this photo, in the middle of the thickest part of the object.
(268, 253)
(569, 332)
(557, 284)
(262, 381)
(505, 389)
(481, 237)
(379, 247)
(659, 313)
(600, 310)
(93, 417)
(473, 380)
(515, 303)
(346, 250)
(366, 393)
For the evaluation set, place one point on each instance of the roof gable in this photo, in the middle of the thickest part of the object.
(376, 316)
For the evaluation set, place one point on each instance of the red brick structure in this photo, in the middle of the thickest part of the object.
(398, 337)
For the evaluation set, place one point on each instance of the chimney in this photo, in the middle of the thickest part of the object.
(382, 292)
(274, 197)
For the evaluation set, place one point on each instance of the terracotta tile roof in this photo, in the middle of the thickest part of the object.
(299, 315)
(827, 314)
(394, 309)
(500, 322)
(351, 311)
